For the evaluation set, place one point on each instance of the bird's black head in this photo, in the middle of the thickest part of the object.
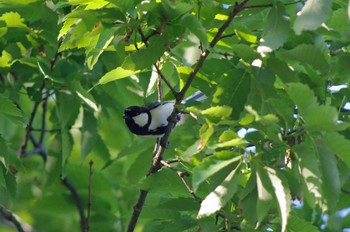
(137, 119)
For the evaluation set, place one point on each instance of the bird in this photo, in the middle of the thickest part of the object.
(152, 120)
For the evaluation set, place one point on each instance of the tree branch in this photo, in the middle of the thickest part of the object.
(8, 215)
(137, 210)
(78, 202)
(158, 154)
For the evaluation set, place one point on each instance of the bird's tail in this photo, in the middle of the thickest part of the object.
(197, 96)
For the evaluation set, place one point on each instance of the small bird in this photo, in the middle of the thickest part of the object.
(152, 120)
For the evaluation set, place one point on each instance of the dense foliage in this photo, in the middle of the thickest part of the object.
(267, 150)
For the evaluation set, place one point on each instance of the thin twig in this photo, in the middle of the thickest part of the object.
(182, 177)
(8, 215)
(173, 91)
(78, 202)
(89, 197)
(228, 35)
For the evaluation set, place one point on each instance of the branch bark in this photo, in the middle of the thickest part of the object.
(8, 215)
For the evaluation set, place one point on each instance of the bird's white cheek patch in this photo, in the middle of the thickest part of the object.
(141, 119)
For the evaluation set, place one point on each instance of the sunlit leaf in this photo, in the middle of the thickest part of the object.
(212, 165)
(220, 196)
(282, 194)
(276, 31)
(313, 14)
(116, 74)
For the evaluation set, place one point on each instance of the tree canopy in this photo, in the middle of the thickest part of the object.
(268, 150)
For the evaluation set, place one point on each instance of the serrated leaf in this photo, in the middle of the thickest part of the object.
(310, 174)
(321, 118)
(265, 196)
(277, 28)
(330, 176)
(98, 45)
(212, 165)
(302, 96)
(13, 19)
(306, 54)
(117, 74)
(338, 144)
(68, 109)
(313, 14)
(236, 96)
(88, 133)
(298, 224)
(220, 196)
(192, 23)
(10, 111)
(282, 194)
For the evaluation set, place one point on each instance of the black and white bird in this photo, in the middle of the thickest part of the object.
(152, 120)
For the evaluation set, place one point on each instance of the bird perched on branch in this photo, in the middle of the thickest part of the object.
(152, 120)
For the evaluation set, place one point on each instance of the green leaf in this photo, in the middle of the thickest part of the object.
(282, 70)
(277, 29)
(218, 111)
(173, 10)
(212, 165)
(330, 181)
(282, 194)
(98, 45)
(13, 19)
(88, 133)
(302, 96)
(68, 108)
(313, 14)
(265, 196)
(10, 111)
(298, 224)
(67, 145)
(338, 144)
(233, 90)
(117, 74)
(310, 174)
(220, 196)
(2, 175)
(192, 23)
(146, 57)
(306, 54)
(321, 118)
(165, 181)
